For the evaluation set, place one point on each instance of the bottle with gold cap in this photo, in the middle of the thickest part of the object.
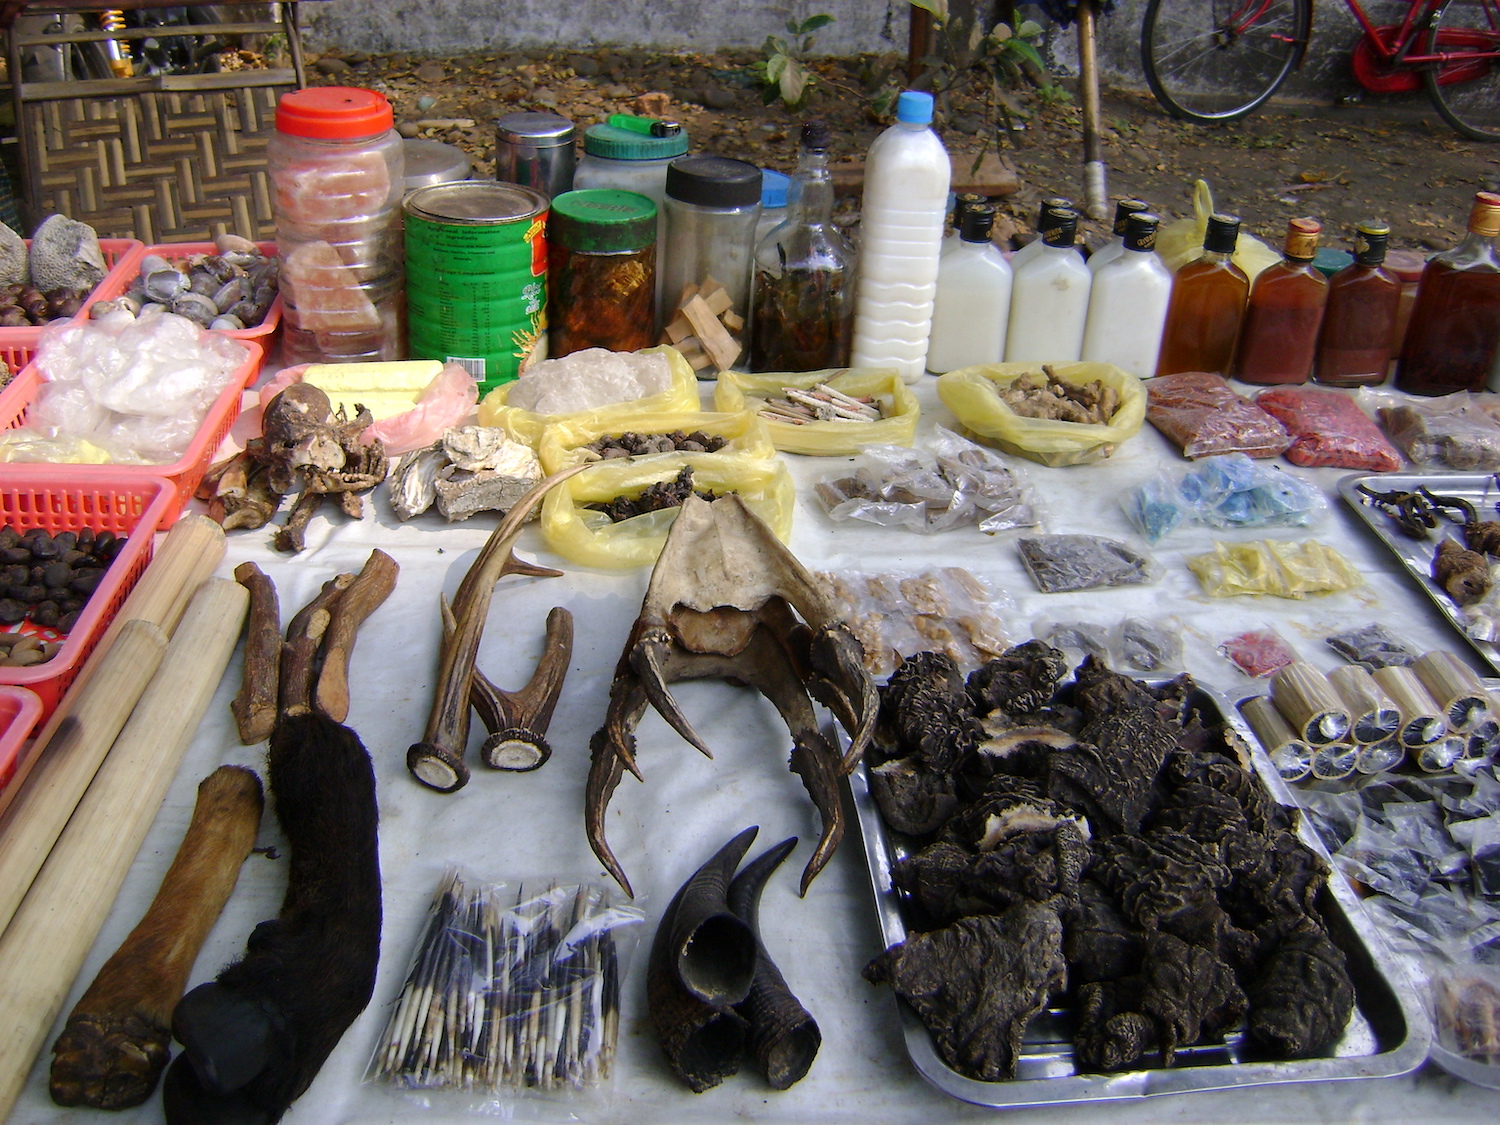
(1354, 347)
(1454, 332)
(1280, 334)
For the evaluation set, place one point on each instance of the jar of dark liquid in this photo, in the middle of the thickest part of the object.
(601, 271)
(1354, 347)
(1455, 325)
(1207, 305)
(1280, 335)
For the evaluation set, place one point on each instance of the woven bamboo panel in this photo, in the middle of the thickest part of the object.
(161, 167)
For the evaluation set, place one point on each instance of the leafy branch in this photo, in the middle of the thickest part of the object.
(783, 73)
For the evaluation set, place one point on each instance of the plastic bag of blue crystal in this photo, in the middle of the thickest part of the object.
(1231, 490)
(1155, 507)
(1059, 563)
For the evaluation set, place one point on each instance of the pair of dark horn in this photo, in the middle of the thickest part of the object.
(712, 989)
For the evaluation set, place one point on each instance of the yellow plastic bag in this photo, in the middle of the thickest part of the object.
(527, 428)
(897, 426)
(585, 536)
(742, 433)
(1178, 243)
(1273, 566)
(972, 393)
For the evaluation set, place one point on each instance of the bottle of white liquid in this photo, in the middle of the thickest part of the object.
(1048, 217)
(961, 204)
(1116, 245)
(1128, 303)
(1049, 301)
(972, 307)
(901, 234)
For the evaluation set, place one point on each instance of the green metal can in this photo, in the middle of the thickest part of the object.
(476, 277)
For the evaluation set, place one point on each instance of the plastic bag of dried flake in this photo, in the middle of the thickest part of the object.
(1230, 490)
(1374, 646)
(1059, 563)
(1258, 653)
(1200, 414)
(1454, 431)
(1147, 645)
(1083, 637)
(1329, 429)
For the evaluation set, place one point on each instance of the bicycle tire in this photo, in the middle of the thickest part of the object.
(1471, 107)
(1199, 72)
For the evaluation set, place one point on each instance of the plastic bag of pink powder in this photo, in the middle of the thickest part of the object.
(1328, 428)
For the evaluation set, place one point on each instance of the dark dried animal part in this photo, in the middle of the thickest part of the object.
(1411, 511)
(926, 705)
(1463, 574)
(912, 798)
(1019, 681)
(654, 497)
(977, 983)
(1303, 998)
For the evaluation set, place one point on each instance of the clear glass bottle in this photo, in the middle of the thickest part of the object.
(1280, 335)
(1451, 343)
(601, 271)
(1207, 305)
(337, 167)
(1116, 245)
(1128, 302)
(1049, 302)
(713, 203)
(971, 311)
(802, 310)
(1354, 347)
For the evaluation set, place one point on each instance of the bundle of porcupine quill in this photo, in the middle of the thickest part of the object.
(255, 1037)
(508, 991)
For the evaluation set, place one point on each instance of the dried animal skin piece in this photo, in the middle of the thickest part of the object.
(1463, 574)
(926, 704)
(115, 1043)
(1303, 998)
(1099, 943)
(978, 982)
(912, 798)
(1021, 680)
(1110, 771)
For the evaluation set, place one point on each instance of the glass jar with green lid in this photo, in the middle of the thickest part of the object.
(601, 271)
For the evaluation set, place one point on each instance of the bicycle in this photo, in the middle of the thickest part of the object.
(1217, 60)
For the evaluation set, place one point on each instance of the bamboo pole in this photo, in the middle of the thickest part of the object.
(1095, 194)
(44, 947)
(185, 557)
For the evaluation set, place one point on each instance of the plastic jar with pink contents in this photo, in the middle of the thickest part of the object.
(337, 167)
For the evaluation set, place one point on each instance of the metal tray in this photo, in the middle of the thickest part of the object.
(1416, 554)
(1388, 1033)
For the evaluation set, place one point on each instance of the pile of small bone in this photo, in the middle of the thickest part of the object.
(227, 291)
(48, 578)
(631, 444)
(1091, 403)
(821, 404)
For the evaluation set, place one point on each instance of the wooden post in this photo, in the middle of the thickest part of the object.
(1095, 193)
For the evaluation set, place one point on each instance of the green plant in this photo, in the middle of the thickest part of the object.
(783, 73)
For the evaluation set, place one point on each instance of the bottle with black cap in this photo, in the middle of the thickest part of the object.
(972, 307)
(1207, 305)
(1049, 301)
(961, 204)
(1048, 216)
(1128, 302)
(1359, 322)
(1116, 245)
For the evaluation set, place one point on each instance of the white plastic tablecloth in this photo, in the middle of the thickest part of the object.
(530, 826)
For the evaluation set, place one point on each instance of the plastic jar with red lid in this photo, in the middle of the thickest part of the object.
(337, 167)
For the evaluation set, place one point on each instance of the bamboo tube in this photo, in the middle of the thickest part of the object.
(184, 558)
(1454, 686)
(36, 818)
(1372, 716)
(1291, 756)
(1376, 757)
(1335, 761)
(1442, 755)
(44, 947)
(1422, 722)
(1308, 702)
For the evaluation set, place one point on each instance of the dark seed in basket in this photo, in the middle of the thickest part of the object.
(15, 555)
(85, 581)
(9, 537)
(47, 615)
(84, 542)
(66, 540)
(40, 544)
(12, 612)
(57, 573)
(68, 620)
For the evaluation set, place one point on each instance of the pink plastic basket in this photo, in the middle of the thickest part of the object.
(70, 499)
(116, 284)
(20, 711)
(184, 473)
(18, 345)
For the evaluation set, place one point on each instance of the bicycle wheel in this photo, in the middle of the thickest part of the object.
(1466, 89)
(1216, 60)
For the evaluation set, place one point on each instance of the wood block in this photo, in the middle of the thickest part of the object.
(722, 348)
(688, 292)
(717, 300)
(678, 329)
(697, 359)
(732, 320)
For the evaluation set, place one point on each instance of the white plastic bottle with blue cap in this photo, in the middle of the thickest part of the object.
(901, 236)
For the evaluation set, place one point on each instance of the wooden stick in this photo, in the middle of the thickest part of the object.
(1095, 194)
(364, 595)
(37, 817)
(254, 707)
(115, 1044)
(47, 941)
(188, 555)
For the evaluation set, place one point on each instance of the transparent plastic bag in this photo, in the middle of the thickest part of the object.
(736, 391)
(1061, 563)
(1269, 566)
(1084, 637)
(1258, 653)
(1147, 645)
(1198, 412)
(1329, 429)
(1453, 431)
(510, 990)
(1179, 242)
(1374, 646)
(1225, 491)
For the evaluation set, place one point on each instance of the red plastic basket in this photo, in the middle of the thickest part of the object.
(70, 499)
(20, 711)
(116, 284)
(184, 473)
(18, 345)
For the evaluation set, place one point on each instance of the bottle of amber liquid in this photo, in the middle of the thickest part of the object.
(1208, 303)
(1454, 332)
(1354, 348)
(1280, 334)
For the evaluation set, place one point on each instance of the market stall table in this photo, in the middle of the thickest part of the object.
(510, 827)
